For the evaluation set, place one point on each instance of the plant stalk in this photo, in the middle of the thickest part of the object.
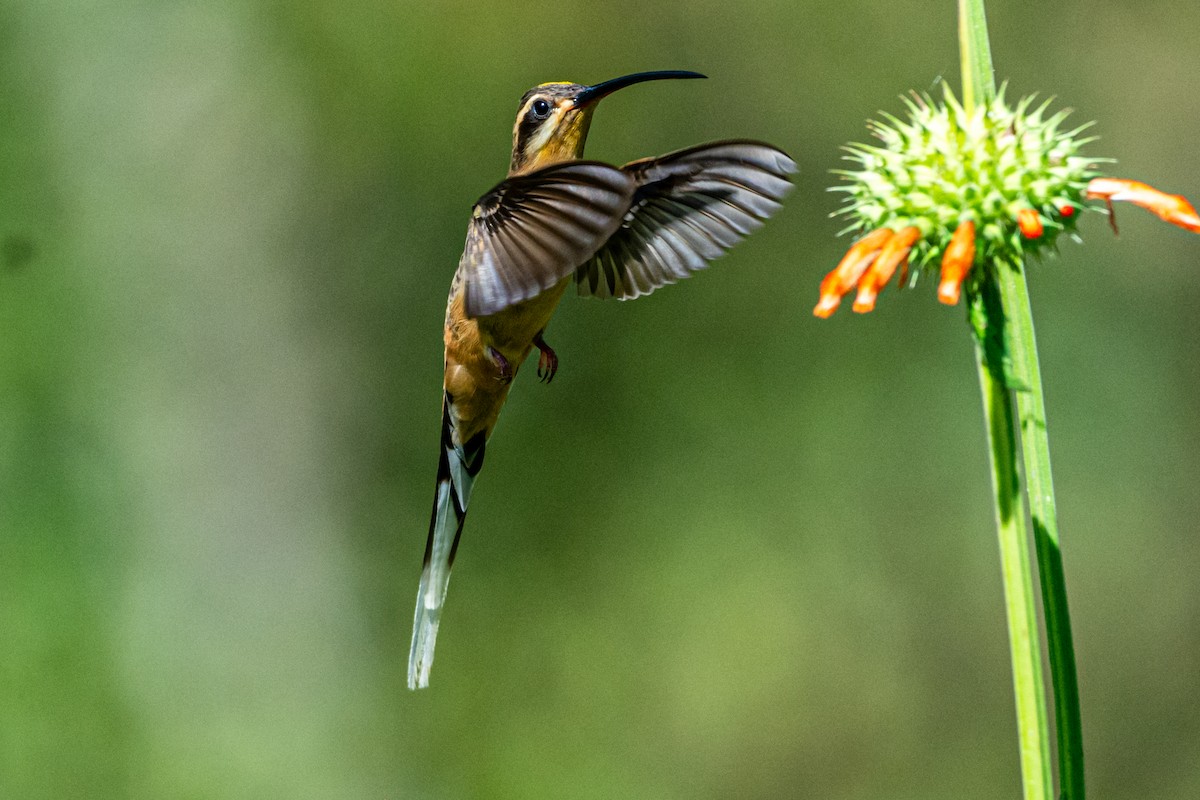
(1023, 639)
(1031, 410)
(1013, 323)
(975, 52)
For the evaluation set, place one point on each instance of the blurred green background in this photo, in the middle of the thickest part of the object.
(733, 551)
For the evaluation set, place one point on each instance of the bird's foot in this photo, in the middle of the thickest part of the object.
(547, 361)
(506, 370)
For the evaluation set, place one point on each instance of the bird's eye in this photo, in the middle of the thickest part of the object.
(540, 108)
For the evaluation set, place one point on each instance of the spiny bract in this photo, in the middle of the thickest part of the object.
(944, 166)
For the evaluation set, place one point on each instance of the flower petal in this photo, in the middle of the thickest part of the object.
(1030, 223)
(1172, 208)
(893, 253)
(957, 262)
(843, 277)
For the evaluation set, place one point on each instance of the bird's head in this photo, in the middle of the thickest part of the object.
(553, 118)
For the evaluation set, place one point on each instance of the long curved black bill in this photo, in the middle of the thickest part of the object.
(593, 93)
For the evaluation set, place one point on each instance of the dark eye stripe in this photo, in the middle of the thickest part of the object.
(525, 131)
(531, 120)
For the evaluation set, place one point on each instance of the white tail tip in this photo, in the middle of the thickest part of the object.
(420, 656)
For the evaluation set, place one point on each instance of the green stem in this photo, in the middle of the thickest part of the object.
(1023, 639)
(1012, 322)
(1031, 409)
(978, 80)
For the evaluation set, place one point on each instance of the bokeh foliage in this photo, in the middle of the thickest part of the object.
(732, 551)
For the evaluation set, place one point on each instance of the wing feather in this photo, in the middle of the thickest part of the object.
(688, 208)
(533, 230)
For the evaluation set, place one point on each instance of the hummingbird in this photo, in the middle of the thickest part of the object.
(555, 220)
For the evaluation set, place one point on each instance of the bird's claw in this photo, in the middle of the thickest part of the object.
(547, 360)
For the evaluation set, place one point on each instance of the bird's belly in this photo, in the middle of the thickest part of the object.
(511, 331)
(473, 379)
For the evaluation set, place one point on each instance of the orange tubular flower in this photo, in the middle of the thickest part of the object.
(893, 254)
(1030, 223)
(1172, 208)
(957, 262)
(849, 270)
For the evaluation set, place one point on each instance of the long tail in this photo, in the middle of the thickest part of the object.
(457, 469)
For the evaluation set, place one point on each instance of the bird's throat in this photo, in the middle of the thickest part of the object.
(561, 139)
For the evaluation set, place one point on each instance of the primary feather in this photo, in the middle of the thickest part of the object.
(689, 207)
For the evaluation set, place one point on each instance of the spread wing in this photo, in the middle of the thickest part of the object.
(533, 230)
(689, 207)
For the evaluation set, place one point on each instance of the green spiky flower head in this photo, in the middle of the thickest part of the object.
(1013, 171)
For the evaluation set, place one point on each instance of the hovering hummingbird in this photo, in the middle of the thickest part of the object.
(614, 231)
